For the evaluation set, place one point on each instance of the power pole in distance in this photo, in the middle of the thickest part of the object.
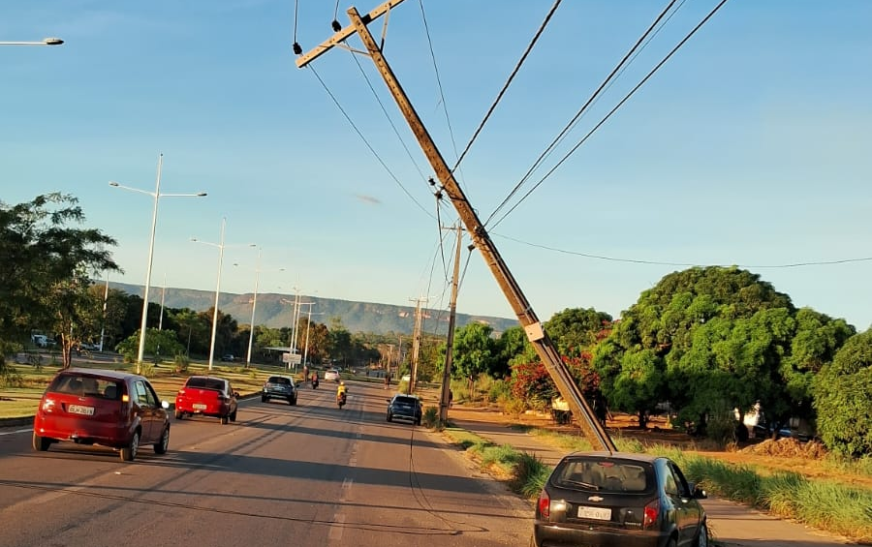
(536, 334)
(445, 400)
(416, 344)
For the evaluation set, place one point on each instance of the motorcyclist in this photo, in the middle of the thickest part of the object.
(341, 390)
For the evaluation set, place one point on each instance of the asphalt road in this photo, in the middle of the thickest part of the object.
(281, 475)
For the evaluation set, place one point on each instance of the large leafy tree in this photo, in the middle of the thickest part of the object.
(474, 351)
(47, 259)
(842, 395)
(695, 328)
(576, 330)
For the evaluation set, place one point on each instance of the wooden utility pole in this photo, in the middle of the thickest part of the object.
(445, 400)
(536, 334)
(416, 346)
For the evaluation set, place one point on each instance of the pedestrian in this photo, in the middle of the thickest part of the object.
(305, 373)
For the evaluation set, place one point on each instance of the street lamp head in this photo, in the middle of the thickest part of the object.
(52, 41)
(201, 195)
(193, 239)
(113, 183)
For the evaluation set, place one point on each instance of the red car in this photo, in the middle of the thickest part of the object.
(208, 396)
(103, 407)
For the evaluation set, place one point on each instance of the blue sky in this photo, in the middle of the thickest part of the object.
(751, 146)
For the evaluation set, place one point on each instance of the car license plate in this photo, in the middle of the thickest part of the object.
(199, 406)
(596, 513)
(78, 409)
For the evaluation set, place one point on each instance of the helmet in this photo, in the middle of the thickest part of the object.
(341, 382)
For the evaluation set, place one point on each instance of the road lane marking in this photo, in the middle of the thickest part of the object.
(15, 432)
(337, 528)
(352, 462)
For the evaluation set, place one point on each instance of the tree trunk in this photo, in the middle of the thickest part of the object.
(643, 419)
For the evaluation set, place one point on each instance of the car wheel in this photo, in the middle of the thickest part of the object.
(179, 414)
(225, 420)
(128, 453)
(233, 416)
(390, 418)
(701, 536)
(40, 444)
(292, 401)
(161, 447)
(264, 398)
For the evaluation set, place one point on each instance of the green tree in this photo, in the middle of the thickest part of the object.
(474, 351)
(45, 263)
(576, 330)
(158, 343)
(842, 395)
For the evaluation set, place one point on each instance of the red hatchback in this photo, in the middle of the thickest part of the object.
(103, 407)
(208, 396)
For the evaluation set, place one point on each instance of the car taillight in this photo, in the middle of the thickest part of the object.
(181, 392)
(48, 405)
(544, 505)
(651, 512)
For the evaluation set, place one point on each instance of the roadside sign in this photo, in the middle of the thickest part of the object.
(292, 358)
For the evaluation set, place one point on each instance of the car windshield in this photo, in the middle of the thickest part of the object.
(87, 386)
(405, 401)
(206, 383)
(607, 475)
(280, 380)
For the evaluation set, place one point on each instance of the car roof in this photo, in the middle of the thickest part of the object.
(207, 377)
(271, 376)
(615, 455)
(103, 373)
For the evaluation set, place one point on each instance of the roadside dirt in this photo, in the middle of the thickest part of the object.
(770, 456)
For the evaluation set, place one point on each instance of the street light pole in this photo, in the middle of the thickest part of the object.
(44, 42)
(217, 287)
(308, 324)
(156, 195)
(105, 306)
(257, 271)
(217, 294)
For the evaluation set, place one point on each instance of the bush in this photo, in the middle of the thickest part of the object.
(530, 475)
(842, 390)
(514, 407)
(431, 417)
(499, 391)
(182, 362)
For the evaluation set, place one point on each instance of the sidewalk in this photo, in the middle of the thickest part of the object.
(732, 524)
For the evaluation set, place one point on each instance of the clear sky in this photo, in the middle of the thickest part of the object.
(751, 146)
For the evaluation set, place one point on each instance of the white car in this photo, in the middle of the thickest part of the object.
(331, 375)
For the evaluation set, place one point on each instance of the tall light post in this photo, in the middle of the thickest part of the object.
(217, 287)
(308, 324)
(257, 271)
(156, 195)
(43, 42)
(105, 306)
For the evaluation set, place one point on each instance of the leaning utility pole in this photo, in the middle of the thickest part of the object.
(445, 400)
(537, 336)
(416, 346)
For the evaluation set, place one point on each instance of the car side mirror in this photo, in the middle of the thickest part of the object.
(698, 493)
(388, 400)
(164, 405)
(236, 394)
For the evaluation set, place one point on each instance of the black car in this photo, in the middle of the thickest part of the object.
(405, 407)
(279, 387)
(632, 500)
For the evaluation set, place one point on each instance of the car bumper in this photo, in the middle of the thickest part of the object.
(279, 394)
(206, 409)
(77, 430)
(565, 535)
(410, 417)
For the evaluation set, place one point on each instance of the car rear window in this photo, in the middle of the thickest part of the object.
(279, 380)
(84, 385)
(607, 475)
(206, 383)
(406, 401)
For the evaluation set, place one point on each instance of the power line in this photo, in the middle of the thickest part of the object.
(366, 142)
(615, 109)
(508, 82)
(688, 264)
(625, 61)
(385, 111)
(438, 78)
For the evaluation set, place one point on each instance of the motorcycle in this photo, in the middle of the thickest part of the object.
(340, 400)
(315, 384)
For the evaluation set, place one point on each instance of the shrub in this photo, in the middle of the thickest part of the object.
(499, 391)
(431, 417)
(530, 475)
(181, 362)
(514, 407)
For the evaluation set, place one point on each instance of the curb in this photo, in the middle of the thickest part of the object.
(28, 420)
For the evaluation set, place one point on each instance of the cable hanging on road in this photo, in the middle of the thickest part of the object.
(615, 109)
(606, 83)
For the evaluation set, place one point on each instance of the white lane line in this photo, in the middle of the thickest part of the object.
(16, 432)
(352, 462)
(337, 528)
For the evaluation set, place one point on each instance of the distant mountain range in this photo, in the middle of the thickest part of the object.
(273, 310)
